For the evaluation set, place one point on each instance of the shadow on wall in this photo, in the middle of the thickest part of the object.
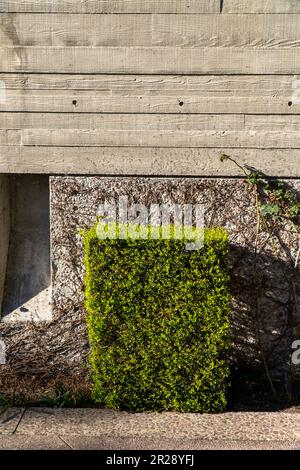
(27, 286)
(264, 315)
(266, 292)
(61, 346)
(229, 203)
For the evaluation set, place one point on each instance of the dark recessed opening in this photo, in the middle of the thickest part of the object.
(28, 277)
(74, 102)
(181, 103)
(290, 103)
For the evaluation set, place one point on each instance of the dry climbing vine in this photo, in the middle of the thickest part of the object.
(275, 202)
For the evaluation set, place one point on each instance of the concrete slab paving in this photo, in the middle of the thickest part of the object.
(234, 426)
(10, 419)
(13, 442)
(119, 443)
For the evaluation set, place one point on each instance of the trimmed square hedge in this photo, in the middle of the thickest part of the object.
(158, 322)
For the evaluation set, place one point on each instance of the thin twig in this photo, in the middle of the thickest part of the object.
(258, 294)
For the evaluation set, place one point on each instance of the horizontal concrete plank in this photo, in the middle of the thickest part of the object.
(263, 94)
(124, 122)
(151, 130)
(75, 30)
(164, 138)
(150, 60)
(145, 161)
(150, 122)
(259, 6)
(111, 6)
(10, 137)
(251, 31)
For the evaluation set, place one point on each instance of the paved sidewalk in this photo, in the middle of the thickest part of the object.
(99, 429)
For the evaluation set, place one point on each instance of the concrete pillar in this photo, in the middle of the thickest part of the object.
(4, 231)
(27, 292)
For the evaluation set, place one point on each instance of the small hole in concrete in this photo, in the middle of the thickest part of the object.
(181, 103)
(290, 103)
(74, 102)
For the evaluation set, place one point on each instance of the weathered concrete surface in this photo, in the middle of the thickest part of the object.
(13, 442)
(228, 203)
(35, 344)
(128, 161)
(108, 6)
(98, 422)
(44, 354)
(27, 293)
(100, 429)
(16, 442)
(85, 422)
(108, 443)
(9, 420)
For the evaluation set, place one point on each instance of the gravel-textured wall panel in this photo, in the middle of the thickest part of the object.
(264, 314)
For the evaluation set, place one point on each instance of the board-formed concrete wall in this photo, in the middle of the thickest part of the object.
(139, 87)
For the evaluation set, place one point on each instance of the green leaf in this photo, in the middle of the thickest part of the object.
(270, 210)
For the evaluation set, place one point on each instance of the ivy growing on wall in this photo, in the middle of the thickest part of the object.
(277, 206)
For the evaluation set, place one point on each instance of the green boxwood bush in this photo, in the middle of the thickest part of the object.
(158, 321)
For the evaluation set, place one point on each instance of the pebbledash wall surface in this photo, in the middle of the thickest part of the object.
(139, 98)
